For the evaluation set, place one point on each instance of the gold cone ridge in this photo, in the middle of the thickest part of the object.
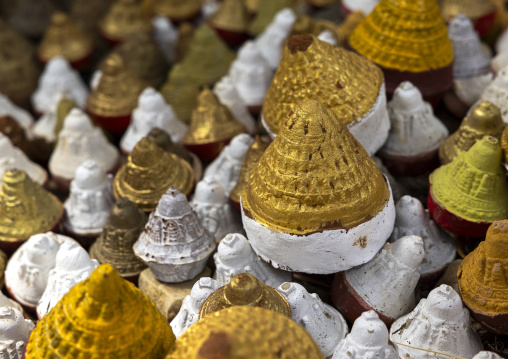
(473, 9)
(148, 174)
(231, 16)
(25, 207)
(341, 80)
(485, 120)
(104, 316)
(124, 18)
(267, 9)
(178, 9)
(211, 121)
(245, 289)
(405, 36)
(314, 176)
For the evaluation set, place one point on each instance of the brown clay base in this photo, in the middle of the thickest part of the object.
(428, 280)
(207, 152)
(115, 125)
(497, 324)
(349, 302)
(411, 165)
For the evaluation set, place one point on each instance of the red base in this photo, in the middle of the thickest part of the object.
(232, 38)
(111, 41)
(454, 224)
(484, 24)
(79, 65)
(345, 10)
(236, 205)
(410, 166)
(349, 302)
(209, 151)
(115, 125)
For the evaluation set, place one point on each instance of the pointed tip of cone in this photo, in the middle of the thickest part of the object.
(105, 284)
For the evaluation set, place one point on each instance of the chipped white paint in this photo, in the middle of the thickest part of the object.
(497, 93)
(14, 333)
(235, 255)
(365, 6)
(323, 322)
(23, 117)
(189, 311)
(166, 35)
(438, 324)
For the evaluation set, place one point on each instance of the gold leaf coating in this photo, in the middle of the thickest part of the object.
(405, 36)
(178, 9)
(148, 174)
(308, 25)
(63, 108)
(124, 18)
(104, 316)
(485, 120)
(3, 263)
(163, 140)
(246, 332)
(117, 92)
(114, 245)
(211, 121)
(311, 69)
(245, 290)
(267, 9)
(483, 274)
(473, 9)
(26, 208)
(63, 38)
(314, 176)
(232, 16)
(254, 154)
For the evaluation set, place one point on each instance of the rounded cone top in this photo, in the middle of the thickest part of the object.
(444, 304)
(150, 100)
(209, 191)
(125, 214)
(90, 175)
(162, 139)
(56, 66)
(485, 117)
(460, 26)
(71, 257)
(473, 9)
(13, 326)
(485, 154)
(369, 330)
(232, 15)
(409, 212)
(146, 153)
(409, 250)
(173, 204)
(407, 98)
(77, 121)
(243, 289)
(234, 250)
(105, 284)
(113, 65)
(314, 176)
(424, 46)
(343, 81)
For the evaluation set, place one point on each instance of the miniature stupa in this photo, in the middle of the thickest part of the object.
(368, 339)
(497, 91)
(482, 13)
(358, 99)
(115, 97)
(72, 265)
(25, 209)
(437, 328)
(267, 11)
(423, 53)
(225, 169)
(228, 95)
(50, 124)
(231, 21)
(245, 290)
(58, 77)
(411, 218)
(13, 158)
(323, 322)
(114, 245)
(163, 140)
(482, 280)
(234, 333)
(371, 286)
(152, 111)
(214, 210)
(7, 302)
(123, 19)
(470, 193)
(149, 172)
(79, 141)
(178, 10)
(15, 331)
(26, 275)
(115, 318)
(211, 128)
(89, 202)
(34, 147)
(483, 120)
(300, 217)
(174, 243)
(23, 117)
(63, 38)
(415, 134)
(251, 74)
(235, 255)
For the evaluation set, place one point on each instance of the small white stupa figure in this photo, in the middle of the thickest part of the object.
(14, 333)
(368, 339)
(79, 141)
(152, 111)
(174, 244)
(323, 322)
(235, 255)
(497, 93)
(166, 36)
(72, 266)
(270, 41)
(23, 117)
(225, 169)
(58, 76)
(228, 95)
(438, 324)
(189, 311)
(7, 302)
(12, 157)
(90, 200)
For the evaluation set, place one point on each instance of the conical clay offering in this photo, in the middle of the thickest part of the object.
(49, 125)
(497, 92)
(231, 21)
(178, 10)
(316, 202)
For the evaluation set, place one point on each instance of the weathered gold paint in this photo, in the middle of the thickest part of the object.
(124, 18)
(405, 36)
(245, 332)
(25, 207)
(473, 186)
(148, 174)
(211, 121)
(63, 108)
(163, 140)
(245, 289)
(178, 9)
(104, 316)
(311, 69)
(232, 15)
(473, 9)
(266, 11)
(485, 120)
(483, 274)
(314, 176)
(308, 25)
